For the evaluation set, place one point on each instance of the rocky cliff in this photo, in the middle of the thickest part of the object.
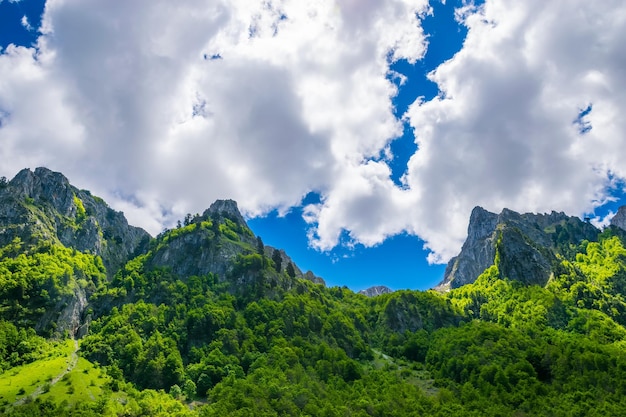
(619, 220)
(43, 213)
(526, 244)
(213, 243)
(42, 205)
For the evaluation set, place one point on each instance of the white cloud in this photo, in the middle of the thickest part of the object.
(502, 134)
(127, 101)
(26, 23)
(147, 119)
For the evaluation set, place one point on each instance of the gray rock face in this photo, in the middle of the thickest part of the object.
(619, 220)
(67, 314)
(43, 205)
(523, 261)
(477, 253)
(375, 290)
(225, 208)
(200, 251)
(527, 244)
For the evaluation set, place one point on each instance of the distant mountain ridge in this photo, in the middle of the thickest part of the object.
(376, 290)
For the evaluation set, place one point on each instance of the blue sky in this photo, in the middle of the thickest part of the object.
(400, 261)
(355, 134)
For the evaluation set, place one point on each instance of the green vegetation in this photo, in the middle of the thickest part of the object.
(81, 213)
(36, 279)
(255, 340)
(21, 381)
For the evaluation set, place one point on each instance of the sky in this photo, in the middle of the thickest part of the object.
(355, 134)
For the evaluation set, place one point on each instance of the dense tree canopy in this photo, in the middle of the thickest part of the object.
(259, 341)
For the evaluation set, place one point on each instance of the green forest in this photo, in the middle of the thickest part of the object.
(258, 341)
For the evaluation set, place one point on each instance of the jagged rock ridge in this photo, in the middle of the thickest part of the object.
(43, 205)
(527, 245)
(211, 243)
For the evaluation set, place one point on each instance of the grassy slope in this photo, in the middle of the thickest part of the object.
(27, 378)
(58, 377)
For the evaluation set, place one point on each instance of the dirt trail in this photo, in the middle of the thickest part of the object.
(40, 389)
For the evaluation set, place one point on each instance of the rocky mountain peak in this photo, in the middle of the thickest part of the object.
(225, 208)
(42, 204)
(619, 220)
(224, 248)
(481, 224)
(527, 245)
(45, 185)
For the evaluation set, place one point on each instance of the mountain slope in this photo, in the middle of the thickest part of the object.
(58, 244)
(534, 322)
(43, 206)
(530, 245)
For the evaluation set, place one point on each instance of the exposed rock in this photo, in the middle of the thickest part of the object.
(199, 253)
(375, 290)
(43, 205)
(200, 250)
(477, 252)
(225, 209)
(309, 275)
(619, 220)
(527, 244)
(523, 260)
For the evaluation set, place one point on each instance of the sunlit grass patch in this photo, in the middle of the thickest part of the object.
(22, 381)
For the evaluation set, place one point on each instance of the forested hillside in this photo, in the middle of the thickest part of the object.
(205, 320)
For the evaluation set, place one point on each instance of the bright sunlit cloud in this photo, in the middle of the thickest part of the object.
(163, 107)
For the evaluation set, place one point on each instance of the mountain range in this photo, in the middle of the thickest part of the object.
(204, 319)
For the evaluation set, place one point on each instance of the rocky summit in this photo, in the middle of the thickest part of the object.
(42, 205)
(41, 210)
(525, 246)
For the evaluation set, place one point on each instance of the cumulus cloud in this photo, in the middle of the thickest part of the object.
(527, 118)
(161, 108)
(164, 108)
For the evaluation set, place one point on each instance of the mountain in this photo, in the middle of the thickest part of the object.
(213, 243)
(41, 212)
(97, 318)
(375, 290)
(528, 245)
(43, 206)
(619, 220)
(44, 219)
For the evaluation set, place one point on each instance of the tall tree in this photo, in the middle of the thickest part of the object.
(278, 260)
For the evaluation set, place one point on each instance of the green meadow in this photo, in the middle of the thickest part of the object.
(22, 381)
